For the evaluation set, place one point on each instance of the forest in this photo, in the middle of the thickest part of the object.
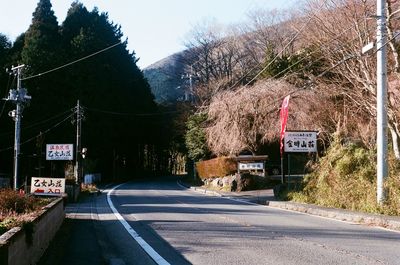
(83, 58)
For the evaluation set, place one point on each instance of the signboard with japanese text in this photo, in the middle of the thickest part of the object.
(48, 186)
(59, 152)
(301, 141)
(251, 166)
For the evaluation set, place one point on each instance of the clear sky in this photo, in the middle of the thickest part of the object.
(155, 28)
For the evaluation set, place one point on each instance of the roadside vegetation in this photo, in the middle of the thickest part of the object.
(18, 209)
(346, 178)
(314, 55)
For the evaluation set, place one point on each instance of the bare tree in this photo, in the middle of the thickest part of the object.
(340, 29)
(247, 118)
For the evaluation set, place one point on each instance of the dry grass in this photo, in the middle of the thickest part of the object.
(18, 209)
(346, 178)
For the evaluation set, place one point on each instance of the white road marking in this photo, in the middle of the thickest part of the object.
(143, 244)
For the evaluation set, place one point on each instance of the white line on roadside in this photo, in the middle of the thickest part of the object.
(143, 244)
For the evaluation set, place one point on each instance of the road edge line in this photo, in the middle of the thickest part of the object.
(142, 243)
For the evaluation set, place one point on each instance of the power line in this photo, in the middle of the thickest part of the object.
(73, 62)
(129, 114)
(9, 85)
(39, 122)
(41, 133)
(318, 59)
(276, 57)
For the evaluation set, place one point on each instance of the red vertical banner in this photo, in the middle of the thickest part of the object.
(284, 116)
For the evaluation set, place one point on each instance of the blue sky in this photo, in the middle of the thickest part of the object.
(155, 28)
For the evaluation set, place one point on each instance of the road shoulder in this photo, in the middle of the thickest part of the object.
(265, 197)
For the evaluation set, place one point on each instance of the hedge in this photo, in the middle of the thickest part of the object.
(216, 167)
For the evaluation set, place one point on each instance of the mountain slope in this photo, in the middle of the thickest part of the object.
(165, 78)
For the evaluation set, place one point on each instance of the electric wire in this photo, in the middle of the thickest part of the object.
(9, 85)
(73, 62)
(129, 114)
(277, 56)
(316, 60)
(36, 123)
(41, 133)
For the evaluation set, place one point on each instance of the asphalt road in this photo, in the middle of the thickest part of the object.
(185, 227)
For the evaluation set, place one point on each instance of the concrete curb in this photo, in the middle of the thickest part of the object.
(200, 190)
(389, 222)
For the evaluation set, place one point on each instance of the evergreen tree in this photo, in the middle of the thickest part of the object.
(5, 47)
(110, 81)
(109, 85)
(6, 123)
(195, 138)
(42, 38)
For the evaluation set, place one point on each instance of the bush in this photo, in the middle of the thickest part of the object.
(346, 178)
(12, 201)
(17, 209)
(217, 167)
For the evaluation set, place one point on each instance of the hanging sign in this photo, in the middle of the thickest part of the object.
(301, 141)
(59, 152)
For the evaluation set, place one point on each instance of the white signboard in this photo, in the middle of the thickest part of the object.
(251, 166)
(48, 186)
(301, 142)
(59, 152)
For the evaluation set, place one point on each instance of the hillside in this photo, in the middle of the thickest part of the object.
(165, 78)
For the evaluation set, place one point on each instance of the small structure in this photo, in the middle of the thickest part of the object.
(251, 164)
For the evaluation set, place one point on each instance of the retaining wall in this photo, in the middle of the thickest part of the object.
(25, 246)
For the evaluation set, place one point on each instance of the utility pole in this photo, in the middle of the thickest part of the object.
(381, 101)
(189, 94)
(79, 116)
(18, 96)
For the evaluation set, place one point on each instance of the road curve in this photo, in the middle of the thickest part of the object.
(185, 227)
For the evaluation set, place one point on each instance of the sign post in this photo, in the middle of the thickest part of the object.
(299, 142)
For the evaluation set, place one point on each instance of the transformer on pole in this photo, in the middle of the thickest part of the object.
(19, 97)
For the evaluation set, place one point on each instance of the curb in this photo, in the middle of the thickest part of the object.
(388, 222)
(200, 190)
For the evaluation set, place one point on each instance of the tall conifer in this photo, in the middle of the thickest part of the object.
(42, 38)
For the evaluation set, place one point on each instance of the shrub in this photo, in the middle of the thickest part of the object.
(217, 167)
(18, 209)
(12, 201)
(344, 178)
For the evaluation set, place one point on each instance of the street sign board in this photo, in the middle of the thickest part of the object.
(48, 186)
(300, 141)
(59, 152)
